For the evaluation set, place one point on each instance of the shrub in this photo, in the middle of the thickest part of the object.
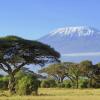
(27, 85)
(61, 85)
(67, 84)
(20, 74)
(95, 83)
(83, 83)
(47, 83)
(4, 81)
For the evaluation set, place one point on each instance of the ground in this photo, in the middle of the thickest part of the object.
(57, 94)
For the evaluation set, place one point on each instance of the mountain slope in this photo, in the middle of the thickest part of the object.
(74, 39)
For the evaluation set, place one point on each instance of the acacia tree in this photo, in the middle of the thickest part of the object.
(88, 70)
(96, 76)
(73, 73)
(16, 52)
(57, 71)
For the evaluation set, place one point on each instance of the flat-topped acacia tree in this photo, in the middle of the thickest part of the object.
(57, 71)
(16, 52)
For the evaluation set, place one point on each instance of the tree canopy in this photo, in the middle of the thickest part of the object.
(16, 52)
(74, 72)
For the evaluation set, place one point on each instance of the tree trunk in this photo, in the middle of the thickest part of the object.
(59, 80)
(90, 83)
(11, 85)
(77, 82)
(62, 78)
(36, 92)
(72, 81)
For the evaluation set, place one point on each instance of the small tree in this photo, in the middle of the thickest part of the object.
(96, 76)
(87, 69)
(26, 85)
(74, 73)
(57, 71)
(48, 83)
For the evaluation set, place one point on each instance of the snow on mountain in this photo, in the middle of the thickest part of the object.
(74, 39)
(78, 30)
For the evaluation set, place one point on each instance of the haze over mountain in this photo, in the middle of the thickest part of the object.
(74, 41)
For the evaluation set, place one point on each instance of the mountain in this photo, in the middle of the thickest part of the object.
(74, 41)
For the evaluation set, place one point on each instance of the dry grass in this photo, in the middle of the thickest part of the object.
(58, 94)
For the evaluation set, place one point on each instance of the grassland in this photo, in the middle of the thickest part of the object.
(57, 94)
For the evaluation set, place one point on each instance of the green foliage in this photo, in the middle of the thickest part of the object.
(83, 83)
(26, 85)
(57, 71)
(23, 52)
(61, 85)
(48, 83)
(32, 48)
(86, 67)
(74, 72)
(45, 84)
(64, 84)
(98, 65)
(4, 80)
(67, 84)
(20, 75)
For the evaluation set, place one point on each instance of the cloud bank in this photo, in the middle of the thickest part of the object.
(82, 54)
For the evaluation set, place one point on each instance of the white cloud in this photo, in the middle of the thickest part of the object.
(82, 54)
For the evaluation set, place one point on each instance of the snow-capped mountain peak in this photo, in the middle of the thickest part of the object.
(76, 31)
(75, 43)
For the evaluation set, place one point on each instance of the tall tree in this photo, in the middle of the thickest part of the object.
(16, 52)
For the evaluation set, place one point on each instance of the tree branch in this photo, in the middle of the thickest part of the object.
(18, 68)
(8, 66)
(1, 66)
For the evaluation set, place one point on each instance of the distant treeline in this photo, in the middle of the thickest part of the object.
(72, 75)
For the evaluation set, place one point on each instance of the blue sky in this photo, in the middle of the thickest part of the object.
(34, 18)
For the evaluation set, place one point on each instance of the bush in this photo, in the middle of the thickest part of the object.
(48, 83)
(4, 81)
(67, 84)
(61, 85)
(27, 85)
(95, 83)
(83, 83)
(19, 75)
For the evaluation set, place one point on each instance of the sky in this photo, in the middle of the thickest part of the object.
(33, 19)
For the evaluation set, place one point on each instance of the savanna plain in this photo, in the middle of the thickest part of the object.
(56, 94)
